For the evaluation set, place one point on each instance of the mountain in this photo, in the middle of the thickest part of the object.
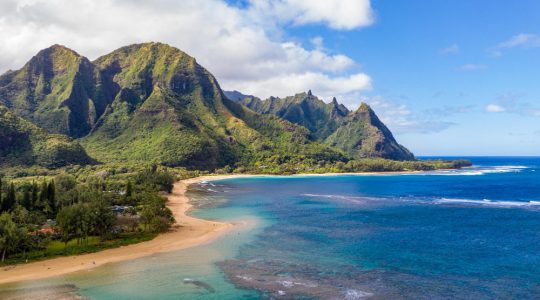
(26, 144)
(167, 108)
(360, 133)
(151, 103)
(55, 91)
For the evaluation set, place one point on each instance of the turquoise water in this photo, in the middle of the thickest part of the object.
(466, 234)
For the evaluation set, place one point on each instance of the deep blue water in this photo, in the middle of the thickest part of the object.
(472, 233)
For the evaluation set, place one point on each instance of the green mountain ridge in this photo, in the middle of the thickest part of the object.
(360, 134)
(153, 103)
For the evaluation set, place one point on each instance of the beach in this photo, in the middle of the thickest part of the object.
(186, 232)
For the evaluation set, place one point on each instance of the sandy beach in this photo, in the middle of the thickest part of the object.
(186, 232)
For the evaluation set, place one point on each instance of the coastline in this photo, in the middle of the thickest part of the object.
(186, 232)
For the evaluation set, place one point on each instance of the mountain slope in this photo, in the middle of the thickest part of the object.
(363, 135)
(25, 144)
(304, 109)
(360, 134)
(55, 91)
(167, 108)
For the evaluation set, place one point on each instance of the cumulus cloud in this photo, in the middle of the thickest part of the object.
(452, 49)
(401, 119)
(522, 40)
(495, 108)
(321, 85)
(338, 14)
(242, 46)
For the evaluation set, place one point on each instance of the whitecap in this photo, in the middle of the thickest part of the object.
(487, 202)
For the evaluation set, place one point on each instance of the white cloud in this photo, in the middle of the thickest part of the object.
(495, 108)
(337, 14)
(470, 67)
(321, 85)
(452, 49)
(514, 104)
(242, 46)
(522, 40)
(401, 119)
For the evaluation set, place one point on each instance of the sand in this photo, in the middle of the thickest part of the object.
(186, 232)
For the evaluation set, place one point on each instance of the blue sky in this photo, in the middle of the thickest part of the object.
(453, 77)
(440, 59)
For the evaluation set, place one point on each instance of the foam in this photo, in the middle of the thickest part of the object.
(476, 171)
(351, 294)
(488, 202)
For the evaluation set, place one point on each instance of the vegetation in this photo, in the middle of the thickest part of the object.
(84, 213)
(360, 134)
(23, 143)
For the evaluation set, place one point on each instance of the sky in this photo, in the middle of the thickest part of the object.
(450, 78)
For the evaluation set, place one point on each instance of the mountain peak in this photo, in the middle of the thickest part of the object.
(364, 107)
(57, 50)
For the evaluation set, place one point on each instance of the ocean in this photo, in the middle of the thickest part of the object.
(462, 234)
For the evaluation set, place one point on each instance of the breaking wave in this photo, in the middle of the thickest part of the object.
(475, 171)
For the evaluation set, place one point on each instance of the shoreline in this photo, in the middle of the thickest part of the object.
(186, 232)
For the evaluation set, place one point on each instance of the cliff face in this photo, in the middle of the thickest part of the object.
(360, 133)
(54, 90)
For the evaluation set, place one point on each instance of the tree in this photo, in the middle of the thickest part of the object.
(102, 217)
(34, 196)
(11, 236)
(155, 215)
(51, 198)
(65, 220)
(43, 196)
(27, 200)
(9, 201)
